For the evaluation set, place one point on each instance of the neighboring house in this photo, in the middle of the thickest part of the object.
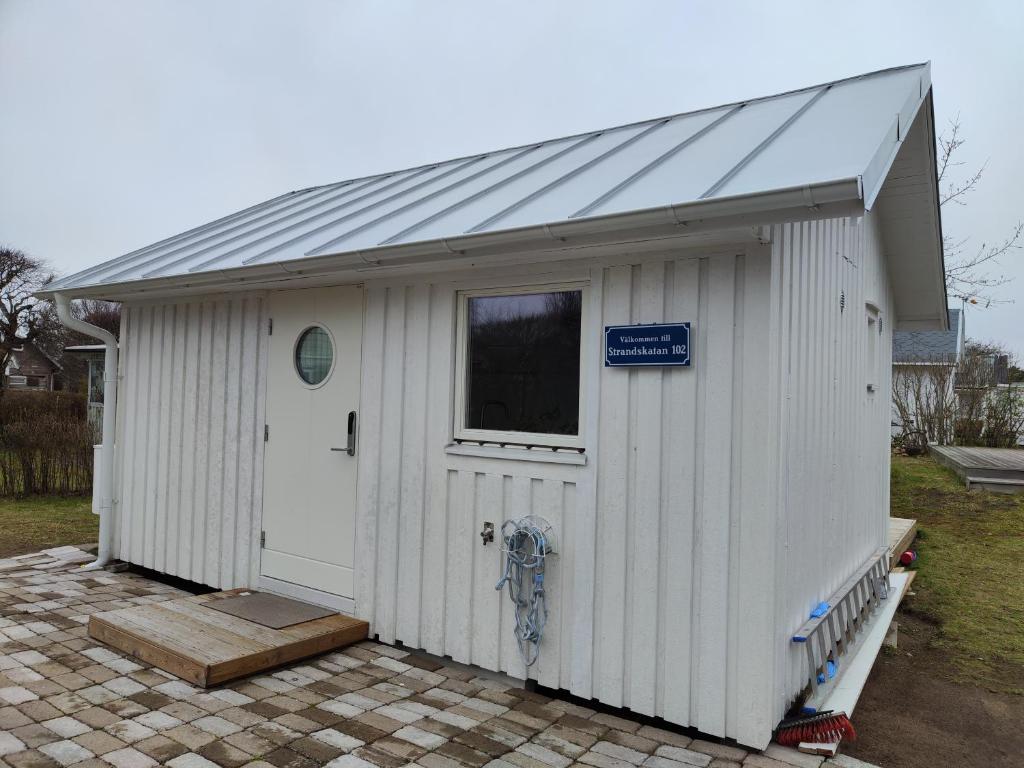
(329, 394)
(29, 367)
(924, 365)
(92, 354)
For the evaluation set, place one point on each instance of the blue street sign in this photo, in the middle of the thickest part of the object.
(647, 345)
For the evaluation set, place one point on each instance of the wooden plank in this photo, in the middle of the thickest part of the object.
(201, 642)
(351, 632)
(198, 612)
(207, 647)
(109, 632)
(645, 514)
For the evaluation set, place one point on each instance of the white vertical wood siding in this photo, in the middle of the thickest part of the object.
(660, 596)
(833, 483)
(717, 504)
(190, 440)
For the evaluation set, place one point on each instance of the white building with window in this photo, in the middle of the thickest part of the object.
(329, 394)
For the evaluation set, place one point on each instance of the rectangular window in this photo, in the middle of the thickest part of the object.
(519, 366)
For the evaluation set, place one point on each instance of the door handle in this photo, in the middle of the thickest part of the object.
(350, 443)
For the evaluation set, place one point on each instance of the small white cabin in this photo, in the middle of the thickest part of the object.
(327, 395)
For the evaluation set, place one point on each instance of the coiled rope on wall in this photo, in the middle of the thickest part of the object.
(525, 545)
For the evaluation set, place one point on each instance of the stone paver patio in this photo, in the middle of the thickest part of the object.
(65, 700)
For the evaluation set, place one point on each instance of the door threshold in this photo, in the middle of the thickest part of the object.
(338, 603)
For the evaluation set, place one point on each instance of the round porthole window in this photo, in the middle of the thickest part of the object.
(314, 355)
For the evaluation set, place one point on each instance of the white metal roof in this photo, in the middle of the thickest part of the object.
(842, 133)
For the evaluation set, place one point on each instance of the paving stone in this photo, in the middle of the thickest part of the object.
(129, 758)
(66, 727)
(38, 711)
(15, 694)
(10, 743)
(583, 725)
(404, 751)
(338, 739)
(191, 760)
(98, 742)
(719, 762)
(35, 735)
(350, 761)
(129, 731)
(216, 726)
(618, 723)
(251, 743)
(679, 755)
(725, 751)
(558, 744)
(161, 748)
(600, 760)
(419, 737)
(287, 758)
(792, 756)
(618, 752)
(32, 758)
(223, 754)
(66, 752)
(463, 754)
(96, 717)
(12, 717)
(760, 761)
(275, 733)
(544, 755)
(482, 743)
(631, 740)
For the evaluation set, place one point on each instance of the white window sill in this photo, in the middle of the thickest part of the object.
(509, 453)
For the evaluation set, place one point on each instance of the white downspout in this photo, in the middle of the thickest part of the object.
(63, 304)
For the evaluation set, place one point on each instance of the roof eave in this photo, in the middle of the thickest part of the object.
(841, 195)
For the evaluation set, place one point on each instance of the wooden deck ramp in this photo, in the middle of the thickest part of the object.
(902, 531)
(208, 647)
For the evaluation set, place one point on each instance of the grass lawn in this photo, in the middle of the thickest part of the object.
(970, 579)
(42, 522)
(952, 691)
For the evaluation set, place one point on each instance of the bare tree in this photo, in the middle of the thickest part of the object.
(22, 316)
(988, 412)
(970, 271)
(924, 397)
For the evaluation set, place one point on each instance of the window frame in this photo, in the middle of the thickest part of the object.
(873, 317)
(464, 434)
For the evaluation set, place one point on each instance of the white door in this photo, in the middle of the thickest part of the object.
(309, 486)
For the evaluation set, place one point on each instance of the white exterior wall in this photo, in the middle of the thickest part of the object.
(833, 485)
(676, 585)
(190, 438)
(660, 595)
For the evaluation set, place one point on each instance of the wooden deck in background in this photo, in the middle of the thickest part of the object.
(995, 469)
(208, 647)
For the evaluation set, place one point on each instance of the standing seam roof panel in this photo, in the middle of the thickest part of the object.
(744, 148)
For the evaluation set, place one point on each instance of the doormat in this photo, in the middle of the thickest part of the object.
(268, 610)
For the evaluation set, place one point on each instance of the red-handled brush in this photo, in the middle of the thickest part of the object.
(820, 728)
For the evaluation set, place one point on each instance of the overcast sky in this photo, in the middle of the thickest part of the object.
(125, 122)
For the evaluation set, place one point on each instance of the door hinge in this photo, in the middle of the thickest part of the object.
(263, 539)
(266, 432)
(270, 326)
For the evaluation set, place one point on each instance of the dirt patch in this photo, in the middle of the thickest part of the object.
(913, 713)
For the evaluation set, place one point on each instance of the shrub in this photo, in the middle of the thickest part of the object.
(46, 444)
